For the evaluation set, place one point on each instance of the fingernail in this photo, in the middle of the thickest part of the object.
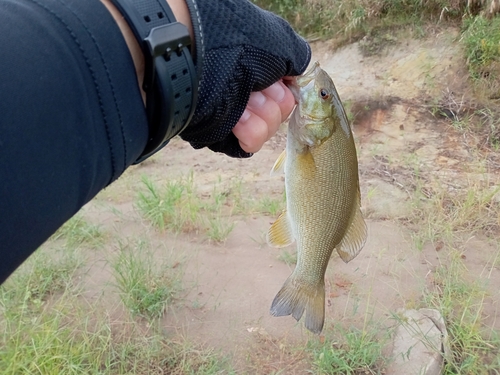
(276, 92)
(257, 99)
(245, 116)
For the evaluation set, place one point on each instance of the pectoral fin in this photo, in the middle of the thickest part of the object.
(279, 164)
(355, 237)
(280, 233)
(306, 163)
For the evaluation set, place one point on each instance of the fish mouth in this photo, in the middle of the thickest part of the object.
(312, 70)
(309, 75)
(291, 83)
(296, 83)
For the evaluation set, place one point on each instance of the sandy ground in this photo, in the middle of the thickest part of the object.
(228, 287)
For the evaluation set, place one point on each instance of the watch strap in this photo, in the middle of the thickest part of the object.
(170, 79)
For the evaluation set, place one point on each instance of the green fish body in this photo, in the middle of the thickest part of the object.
(323, 197)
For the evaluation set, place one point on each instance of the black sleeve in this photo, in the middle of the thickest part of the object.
(71, 116)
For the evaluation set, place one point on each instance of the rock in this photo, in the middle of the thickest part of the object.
(420, 343)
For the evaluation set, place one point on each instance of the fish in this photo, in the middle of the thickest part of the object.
(323, 200)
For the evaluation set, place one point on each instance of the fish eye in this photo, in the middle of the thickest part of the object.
(324, 94)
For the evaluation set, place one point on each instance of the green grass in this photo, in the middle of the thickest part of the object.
(353, 19)
(219, 228)
(288, 257)
(42, 275)
(381, 22)
(147, 285)
(351, 351)
(270, 206)
(481, 38)
(46, 327)
(77, 231)
(175, 206)
(179, 206)
(75, 339)
(460, 300)
(448, 216)
(447, 219)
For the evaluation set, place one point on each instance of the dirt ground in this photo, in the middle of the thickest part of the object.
(228, 287)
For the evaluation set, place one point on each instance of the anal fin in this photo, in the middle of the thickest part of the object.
(280, 234)
(355, 236)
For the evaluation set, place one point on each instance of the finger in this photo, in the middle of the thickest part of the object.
(282, 95)
(265, 112)
(251, 131)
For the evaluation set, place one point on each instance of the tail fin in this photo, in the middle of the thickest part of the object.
(294, 298)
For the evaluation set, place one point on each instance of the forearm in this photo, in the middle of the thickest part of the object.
(71, 117)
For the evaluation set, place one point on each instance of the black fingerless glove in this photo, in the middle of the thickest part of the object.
(243, 49)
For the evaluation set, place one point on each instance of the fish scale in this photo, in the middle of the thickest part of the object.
(323, 198)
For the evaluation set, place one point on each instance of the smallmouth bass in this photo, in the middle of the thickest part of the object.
(323, 197)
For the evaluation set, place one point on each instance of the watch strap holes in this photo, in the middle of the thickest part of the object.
(184, 71)
(176, 113)
(147, 19)
(177, 95)
(174, 77)
(160, 15)
(188, 89)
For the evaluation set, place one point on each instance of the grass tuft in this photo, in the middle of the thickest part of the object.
(70, 339)
(174, 207)
(270, 206)
(41, 276)
(460, 301)
(78, 231)
(147, 286)
(178, 206)
(356, 352)
(219, 228)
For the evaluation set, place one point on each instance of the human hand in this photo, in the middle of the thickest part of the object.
(243, 50)
(264, 113)
(246, 50)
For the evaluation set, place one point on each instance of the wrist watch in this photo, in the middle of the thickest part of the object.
(170, 79)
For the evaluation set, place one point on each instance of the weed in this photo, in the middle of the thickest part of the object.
(270, 206)
(490, 125)
(47, 344)
(460, 302)
(481, 37)
(219, 228)
(147, 286)
(260, 239)
(40, 276)
(67, 339)
(77, 231)
(238, 196)
(441, 215)
(175, 206)
(289, 257)
(355, 352)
